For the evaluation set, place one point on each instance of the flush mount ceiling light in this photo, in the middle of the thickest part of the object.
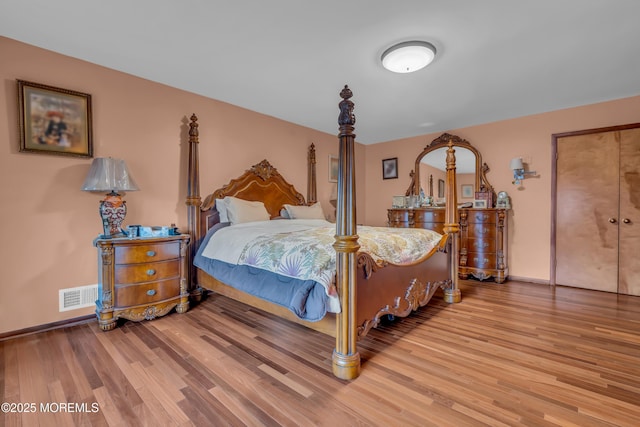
(407, 57)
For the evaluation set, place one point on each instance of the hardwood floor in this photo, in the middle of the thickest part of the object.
(512, 354)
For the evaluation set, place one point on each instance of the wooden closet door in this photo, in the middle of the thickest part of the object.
(629, 276)
(587, 186)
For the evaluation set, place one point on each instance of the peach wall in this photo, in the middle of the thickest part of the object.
(48, 224)
(527, 137)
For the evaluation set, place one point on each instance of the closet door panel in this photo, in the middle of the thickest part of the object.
(587, 211)
(629, 276)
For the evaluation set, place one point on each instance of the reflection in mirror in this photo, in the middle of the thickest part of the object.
(434, 165)
(470, 170)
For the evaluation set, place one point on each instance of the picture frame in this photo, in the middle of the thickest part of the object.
(54, 120)
(333, 168)
(441, 188)
(485, 195)
(390, 168)
(399, 202)
(479, 204)
(466, 191)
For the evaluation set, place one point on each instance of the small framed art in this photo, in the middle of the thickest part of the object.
(479, 204)
(333, 168)
(441, 188)
(467, 191)
(390, 168)
(54, 120)
(485, 195)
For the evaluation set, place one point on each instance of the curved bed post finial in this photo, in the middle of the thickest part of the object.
(193, 205)
(451, 225)
(312, 187)
(346, 359)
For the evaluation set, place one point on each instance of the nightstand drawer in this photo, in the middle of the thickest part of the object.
(151, 252)
(131, 295)
(147, 272)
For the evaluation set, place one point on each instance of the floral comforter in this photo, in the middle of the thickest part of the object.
(303, 249)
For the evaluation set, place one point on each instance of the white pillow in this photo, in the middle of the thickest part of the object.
(221, 206)
(239, 210)
(305, 212)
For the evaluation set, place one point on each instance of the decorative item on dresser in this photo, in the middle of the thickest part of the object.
(109, 174)
(141, 278)
(483, 233)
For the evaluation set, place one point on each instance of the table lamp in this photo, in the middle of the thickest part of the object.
(108, 174)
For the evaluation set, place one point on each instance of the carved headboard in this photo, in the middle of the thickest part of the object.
(262, 182)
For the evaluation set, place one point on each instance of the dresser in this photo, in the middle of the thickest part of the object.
(483, 237)
(141, 278)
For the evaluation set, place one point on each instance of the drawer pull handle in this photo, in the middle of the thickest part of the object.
(151, 292)
(151, 253)
(151, 272)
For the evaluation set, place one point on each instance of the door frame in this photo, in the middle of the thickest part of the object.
(554, 182)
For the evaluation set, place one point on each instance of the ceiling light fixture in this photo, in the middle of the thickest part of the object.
(407, 57)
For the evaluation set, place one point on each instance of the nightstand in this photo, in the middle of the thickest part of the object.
(141, 278)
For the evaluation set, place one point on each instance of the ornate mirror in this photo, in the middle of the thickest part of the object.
(468, 161)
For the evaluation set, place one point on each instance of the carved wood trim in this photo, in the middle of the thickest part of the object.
(481, 184)
(261, 182)
(417, 294)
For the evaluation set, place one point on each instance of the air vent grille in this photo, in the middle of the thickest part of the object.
(79, 297)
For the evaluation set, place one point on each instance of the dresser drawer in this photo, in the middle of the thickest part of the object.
(481, 231)
(481, 260)
(399, 218)
(428, 215)
(481, 217)
(150, 252)
(435, 226)
(481, 245)
(147, 272)
(131, 295)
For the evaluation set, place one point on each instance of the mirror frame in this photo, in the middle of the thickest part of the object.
(481, 182)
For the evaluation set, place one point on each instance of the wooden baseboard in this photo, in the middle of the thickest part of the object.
(47, 327)
(528, 279)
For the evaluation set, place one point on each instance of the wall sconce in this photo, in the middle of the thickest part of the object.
(519, 173)
(107, 174)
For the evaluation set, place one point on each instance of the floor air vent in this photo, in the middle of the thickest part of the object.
(80, 297)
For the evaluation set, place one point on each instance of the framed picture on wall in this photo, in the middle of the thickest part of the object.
(390, 168)
(441, 188)
(54, 120)
(333, 168)
(467, 191)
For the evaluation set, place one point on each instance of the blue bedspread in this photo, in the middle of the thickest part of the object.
(307, 299)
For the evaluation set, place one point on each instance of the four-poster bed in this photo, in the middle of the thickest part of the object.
(368, 287)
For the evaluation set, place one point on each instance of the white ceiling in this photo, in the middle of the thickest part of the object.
(496, 59)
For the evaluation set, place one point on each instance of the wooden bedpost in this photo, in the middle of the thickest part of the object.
(193, 206)
(312, 195)
(451, 225)
(346, 359)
